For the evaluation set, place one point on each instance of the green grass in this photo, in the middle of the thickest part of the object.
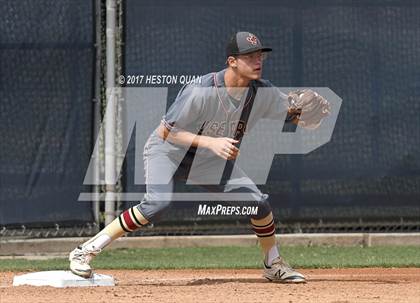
(234, 257)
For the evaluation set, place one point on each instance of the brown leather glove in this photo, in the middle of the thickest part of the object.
(308, 107)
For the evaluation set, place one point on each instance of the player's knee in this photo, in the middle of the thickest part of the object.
(152, 210)
(264, 208)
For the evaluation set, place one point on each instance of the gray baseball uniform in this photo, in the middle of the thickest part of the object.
(206, 108)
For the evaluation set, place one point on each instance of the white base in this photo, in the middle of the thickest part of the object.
(61, 278)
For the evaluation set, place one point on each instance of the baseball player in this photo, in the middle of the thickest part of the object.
(198, 140)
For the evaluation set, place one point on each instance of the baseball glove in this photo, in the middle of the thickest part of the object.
(308, 108)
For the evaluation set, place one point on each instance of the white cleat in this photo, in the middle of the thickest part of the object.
(281, 272)
(80, 258)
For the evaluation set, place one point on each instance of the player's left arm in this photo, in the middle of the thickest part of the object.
(307, 108)
(303, 107)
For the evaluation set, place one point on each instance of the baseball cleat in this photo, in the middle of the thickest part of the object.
(281, 272)
(79, 261)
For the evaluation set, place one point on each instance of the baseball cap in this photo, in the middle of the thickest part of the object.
(244, 43)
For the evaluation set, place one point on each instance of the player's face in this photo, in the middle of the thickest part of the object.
(250, 65)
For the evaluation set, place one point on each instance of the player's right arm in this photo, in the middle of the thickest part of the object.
(223, 147)
(185, 116)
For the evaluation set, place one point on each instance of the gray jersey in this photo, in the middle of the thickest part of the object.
(206, 108)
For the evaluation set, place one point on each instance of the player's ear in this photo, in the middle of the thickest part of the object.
(231, 61)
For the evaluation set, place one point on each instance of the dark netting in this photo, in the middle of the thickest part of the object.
(365, 51)
(46, 64)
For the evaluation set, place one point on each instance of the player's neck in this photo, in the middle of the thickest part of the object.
(232, 79)
(235, 85)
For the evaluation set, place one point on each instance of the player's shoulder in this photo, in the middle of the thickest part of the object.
(205, 80)
(197, 89)
(201, 82)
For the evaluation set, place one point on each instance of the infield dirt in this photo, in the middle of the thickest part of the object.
(240, 285)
